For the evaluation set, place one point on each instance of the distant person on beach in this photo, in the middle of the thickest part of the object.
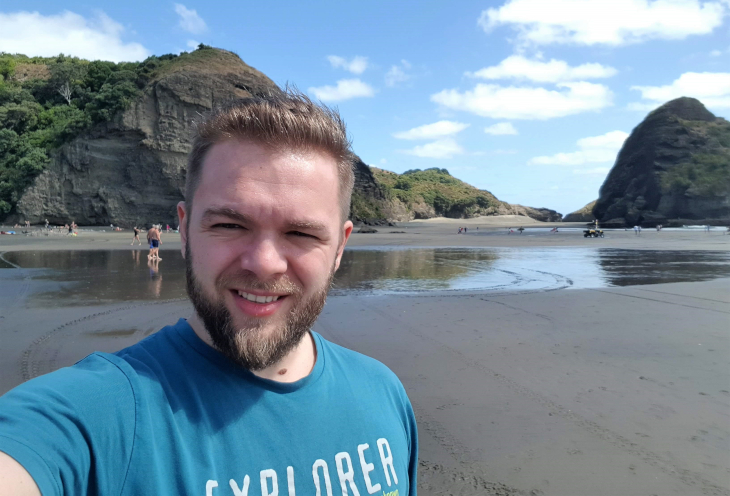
(136, 236)
(521, 229)
(154, 239)
(636, 229)
(244, 398)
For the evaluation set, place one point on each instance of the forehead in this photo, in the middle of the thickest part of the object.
(238, 169)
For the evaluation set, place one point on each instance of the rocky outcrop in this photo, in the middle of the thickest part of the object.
(541, 214)
(674, 168)
(131, 171)
(585, 214)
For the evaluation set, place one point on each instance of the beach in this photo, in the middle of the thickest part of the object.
(547, 391)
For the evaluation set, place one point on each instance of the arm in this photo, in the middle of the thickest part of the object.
(14, 479)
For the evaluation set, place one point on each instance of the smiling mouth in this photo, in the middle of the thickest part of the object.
(259, 298)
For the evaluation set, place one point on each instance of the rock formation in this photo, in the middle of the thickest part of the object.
(131, 171)
(673, 169)
(585, 214)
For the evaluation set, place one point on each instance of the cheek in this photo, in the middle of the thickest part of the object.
(313, 269)
(210, 259)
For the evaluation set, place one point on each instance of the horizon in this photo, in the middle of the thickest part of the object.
(526, 100)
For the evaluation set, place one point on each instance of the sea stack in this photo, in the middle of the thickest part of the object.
(673, 169)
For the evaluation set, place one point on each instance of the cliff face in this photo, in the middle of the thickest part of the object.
(131, 171)
(674, 168)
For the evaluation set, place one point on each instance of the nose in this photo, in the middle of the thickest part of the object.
(265, 258)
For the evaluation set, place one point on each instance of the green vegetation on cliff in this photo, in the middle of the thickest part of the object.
(706, 174)
(436, 188)
(46, 102)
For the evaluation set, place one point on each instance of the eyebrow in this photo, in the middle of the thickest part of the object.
(306, 225)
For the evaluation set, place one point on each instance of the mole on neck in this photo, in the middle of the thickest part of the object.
(282, 372)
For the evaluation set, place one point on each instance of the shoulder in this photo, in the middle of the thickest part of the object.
(354, 364)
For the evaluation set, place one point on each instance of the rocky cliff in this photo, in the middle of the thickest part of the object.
(131, 170)
(673, 169)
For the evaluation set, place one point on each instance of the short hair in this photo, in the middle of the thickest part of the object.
(286, 120)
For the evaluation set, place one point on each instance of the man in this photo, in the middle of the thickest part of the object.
(242, 399)
(154, 239)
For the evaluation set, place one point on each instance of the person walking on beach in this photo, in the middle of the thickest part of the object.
(136, 236)
(244, 397)
(636, 229)
(154, 239)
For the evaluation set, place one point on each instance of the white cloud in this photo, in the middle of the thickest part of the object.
(554, 71)
(594, 149)
(501, 128)
(436, 130)
(593, 22)
(715, 53)
(33, 34)
(711, 88)
(356, 65)
(443, 148)
(192, 44)
(501, 102)
(345, 90)
(190, 21)
(397, 74)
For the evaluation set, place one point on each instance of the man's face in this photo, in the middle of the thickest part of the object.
(262, 243)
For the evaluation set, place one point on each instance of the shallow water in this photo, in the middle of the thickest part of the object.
(63, 278)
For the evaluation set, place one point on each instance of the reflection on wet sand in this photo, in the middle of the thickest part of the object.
(89, 277)
(409, 270)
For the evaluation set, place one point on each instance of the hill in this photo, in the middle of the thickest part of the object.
(673, 169)
(99, 142)
(422, 194)
(585, 214)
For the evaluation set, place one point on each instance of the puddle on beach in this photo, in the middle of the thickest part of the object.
(63, 278)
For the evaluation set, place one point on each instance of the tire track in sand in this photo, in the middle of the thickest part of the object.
(40, 358)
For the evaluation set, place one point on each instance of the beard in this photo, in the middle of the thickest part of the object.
(245, 343)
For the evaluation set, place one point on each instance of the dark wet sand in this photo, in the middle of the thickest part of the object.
(617, 391)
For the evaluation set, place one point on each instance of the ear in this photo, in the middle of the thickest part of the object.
(182, 216)
(345, 235)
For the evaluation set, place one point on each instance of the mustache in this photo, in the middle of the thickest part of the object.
(248, 280)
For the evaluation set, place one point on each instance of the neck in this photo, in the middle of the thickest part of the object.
(296, 365)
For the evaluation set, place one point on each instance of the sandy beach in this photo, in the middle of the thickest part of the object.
(608, 391)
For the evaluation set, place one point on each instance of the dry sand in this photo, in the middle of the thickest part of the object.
(619, 391)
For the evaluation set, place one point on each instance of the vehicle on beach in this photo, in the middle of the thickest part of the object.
(592, 233)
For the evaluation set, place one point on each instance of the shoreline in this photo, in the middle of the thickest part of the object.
(420, 234)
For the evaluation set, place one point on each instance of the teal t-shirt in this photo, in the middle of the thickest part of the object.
(172, 416)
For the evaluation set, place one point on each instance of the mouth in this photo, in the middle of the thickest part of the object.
(257, 305)
(259, 298)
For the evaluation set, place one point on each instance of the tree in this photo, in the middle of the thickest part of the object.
(66, 91)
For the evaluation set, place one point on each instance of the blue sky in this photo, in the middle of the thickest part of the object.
(529, 99)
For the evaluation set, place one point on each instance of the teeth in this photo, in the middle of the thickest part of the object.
(257, 299)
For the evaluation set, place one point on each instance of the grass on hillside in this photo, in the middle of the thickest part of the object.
(448, 196)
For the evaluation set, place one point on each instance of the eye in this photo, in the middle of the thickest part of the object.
(228, 226)
(301, 234)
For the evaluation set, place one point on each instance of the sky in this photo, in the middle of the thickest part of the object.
(528, 99)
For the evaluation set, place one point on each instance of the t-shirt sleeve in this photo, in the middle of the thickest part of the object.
(412, 432)
(72, 429)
